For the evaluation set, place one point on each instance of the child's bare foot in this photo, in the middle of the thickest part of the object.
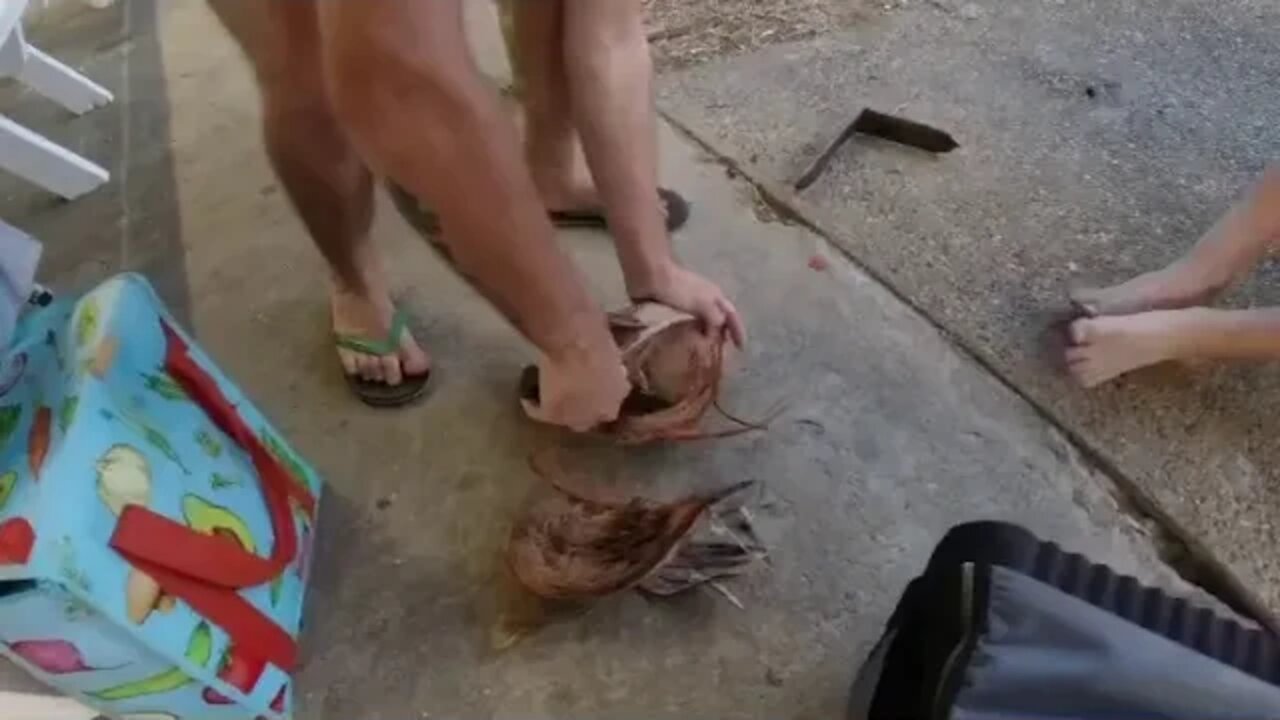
(1174, 287)
(1104, 348)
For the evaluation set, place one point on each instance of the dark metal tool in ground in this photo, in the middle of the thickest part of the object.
(886, 127)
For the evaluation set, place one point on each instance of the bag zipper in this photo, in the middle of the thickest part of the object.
(966, 637)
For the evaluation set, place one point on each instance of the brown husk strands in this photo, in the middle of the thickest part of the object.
(675, 371)
(571, 547)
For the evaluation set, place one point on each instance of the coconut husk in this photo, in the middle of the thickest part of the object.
(571, 547)
(675, 371)
(724, 547)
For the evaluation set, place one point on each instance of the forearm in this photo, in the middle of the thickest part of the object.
(448, 142)
(1213, 334)
(610, 77)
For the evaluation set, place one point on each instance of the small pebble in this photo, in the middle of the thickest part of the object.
(819, 263)
(772, 677)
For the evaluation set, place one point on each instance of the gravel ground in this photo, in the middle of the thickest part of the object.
(689, 32)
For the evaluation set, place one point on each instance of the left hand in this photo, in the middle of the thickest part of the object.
(686, 290)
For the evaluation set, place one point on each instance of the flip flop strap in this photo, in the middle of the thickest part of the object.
(389, 346)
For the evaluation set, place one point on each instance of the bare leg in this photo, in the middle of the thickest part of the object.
(611, 89)
(1107, 347)
(326, 181)
(552, 146)
(1233, 246)
(411, 98)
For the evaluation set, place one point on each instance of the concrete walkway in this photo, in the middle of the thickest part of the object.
(1099, 139)
(892, 434)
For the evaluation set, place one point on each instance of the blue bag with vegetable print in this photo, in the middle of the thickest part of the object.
(154, 529)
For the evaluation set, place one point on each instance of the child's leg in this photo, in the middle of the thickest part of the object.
(1232, 246)
(1107, 347)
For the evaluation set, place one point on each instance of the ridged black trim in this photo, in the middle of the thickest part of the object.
(1252, 651)
(930, 626)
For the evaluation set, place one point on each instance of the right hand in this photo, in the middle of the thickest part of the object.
(581, 390)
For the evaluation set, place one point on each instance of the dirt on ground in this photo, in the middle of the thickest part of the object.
(685, 32)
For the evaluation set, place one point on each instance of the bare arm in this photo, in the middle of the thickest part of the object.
(420, 112)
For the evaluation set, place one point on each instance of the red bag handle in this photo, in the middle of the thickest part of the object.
(207, 570)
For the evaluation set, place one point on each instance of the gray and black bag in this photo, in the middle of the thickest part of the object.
(1004, 626)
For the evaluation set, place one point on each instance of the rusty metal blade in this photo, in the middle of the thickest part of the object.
(886, 127)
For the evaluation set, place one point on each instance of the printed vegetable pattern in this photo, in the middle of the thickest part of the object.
(164, 386)
(238, 670)
(124, 476)
(218, 481)
(17, 538)
(212, 519)
(9, 417)
(142, 596)
(55, 657)
(104, 356)
(153, 437)
(39, 439)
(199, 651)
(68, 569)
(67, 412)
(276, 590)
(8, 482)
(209, 444)
(86, 322)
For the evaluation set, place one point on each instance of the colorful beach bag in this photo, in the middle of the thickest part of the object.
(154, 528)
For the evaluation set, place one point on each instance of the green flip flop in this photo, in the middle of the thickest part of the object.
(374, 392)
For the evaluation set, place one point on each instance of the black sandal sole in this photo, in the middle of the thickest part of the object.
(381, 395)
(678, 211)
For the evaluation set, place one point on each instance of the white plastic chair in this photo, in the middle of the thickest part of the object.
(25, 153)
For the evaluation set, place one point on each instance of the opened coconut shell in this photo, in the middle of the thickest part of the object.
(674, 369)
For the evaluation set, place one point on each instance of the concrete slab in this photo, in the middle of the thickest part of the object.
(893, 435)
(1099, 139)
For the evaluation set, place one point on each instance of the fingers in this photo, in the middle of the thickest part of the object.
(713, 318)
(580, 401)
(733, 321)
(721, 316)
